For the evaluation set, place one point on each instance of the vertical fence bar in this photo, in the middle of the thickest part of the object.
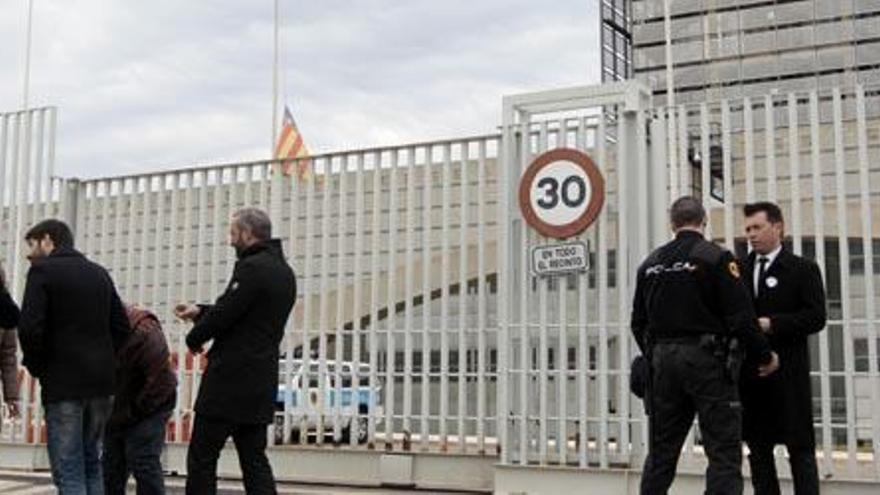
(116, 268)
(410, 294)
(18, 202)
(770, 147)
(505, 415)
(170, 271)
(217, 240)
(444, 301)
(705, 164)
(144, 242)
(105, 222)
(248, 185)
(819, 226)
(623, 296)
(583, 329)
(427, 227)
(158, 278)
(375, 302)
(843, 258)
(794, 165)
(462, 296)
(603, 245)
(749, 138)
(50, 163)
(481, 288)
(525, 366)
(309, 299)
(36, 198)
(323, 304)
(357, 310)
(543, 346)
(391, 301)
(133, 207)
(341, 237)
(727, 174)
(286, 370)
(561, 361)
(684, 168)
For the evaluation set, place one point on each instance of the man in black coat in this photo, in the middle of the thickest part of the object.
(72, 321)
(246, 324)
(790, 304)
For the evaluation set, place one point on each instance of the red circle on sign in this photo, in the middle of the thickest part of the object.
(597, 193)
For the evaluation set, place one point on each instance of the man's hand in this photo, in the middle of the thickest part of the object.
(12, 407)
(764, 323)
(186, 311)
(769, 368)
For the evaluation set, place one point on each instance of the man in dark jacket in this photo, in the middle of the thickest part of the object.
(790, 303)
(9, 316)
(238, 389)
(689, 302)
(146, 389)
(71, 323)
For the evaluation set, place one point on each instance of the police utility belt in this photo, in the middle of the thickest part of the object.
(725, 348)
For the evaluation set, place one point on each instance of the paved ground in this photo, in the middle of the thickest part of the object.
(14, 483)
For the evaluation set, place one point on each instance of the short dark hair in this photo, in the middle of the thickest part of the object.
(57, 231)
(774, 214)
(687, 211)
(256, 221)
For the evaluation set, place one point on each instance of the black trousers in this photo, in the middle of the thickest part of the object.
(688, 380)
(209, 436)
(804, 471)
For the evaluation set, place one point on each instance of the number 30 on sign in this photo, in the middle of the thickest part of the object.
(561, 193)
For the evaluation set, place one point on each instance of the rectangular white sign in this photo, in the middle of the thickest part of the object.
(558, 259)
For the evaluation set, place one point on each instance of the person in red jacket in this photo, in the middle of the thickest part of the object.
(9, 315)
(146, 390)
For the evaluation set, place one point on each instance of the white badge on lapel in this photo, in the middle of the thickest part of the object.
(772, 282)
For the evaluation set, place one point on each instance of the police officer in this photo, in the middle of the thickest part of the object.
(689, 313)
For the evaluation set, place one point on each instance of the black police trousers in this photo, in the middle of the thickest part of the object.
(689, 379)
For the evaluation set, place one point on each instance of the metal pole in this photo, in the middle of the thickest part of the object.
(274, 87)
(27, 57)
(670, 80)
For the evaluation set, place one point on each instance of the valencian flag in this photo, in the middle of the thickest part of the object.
(291, 147)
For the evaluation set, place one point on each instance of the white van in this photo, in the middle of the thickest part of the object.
(307, 404)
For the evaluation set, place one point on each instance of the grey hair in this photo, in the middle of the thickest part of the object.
(255, 221)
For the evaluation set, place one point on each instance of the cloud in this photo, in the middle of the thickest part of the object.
(161, 84)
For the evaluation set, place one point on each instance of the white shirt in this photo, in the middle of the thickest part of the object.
(770, 257)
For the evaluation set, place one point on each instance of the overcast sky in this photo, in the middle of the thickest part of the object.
(159, 84)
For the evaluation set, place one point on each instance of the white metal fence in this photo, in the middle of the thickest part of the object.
(402, 253)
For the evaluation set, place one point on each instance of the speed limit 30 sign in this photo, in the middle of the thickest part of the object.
(561, 193)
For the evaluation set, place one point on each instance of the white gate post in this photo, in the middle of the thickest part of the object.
(630, 100)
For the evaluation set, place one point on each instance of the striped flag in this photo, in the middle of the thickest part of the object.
(290, 147)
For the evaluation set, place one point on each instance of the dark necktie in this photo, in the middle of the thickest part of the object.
(762, 268)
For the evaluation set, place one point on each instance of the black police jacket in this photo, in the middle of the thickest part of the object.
(246, 324)
(691, 287)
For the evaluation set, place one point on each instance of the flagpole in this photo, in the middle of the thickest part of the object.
(275, 88)
(25, 97)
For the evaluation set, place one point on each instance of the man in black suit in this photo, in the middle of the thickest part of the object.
(790, 304)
